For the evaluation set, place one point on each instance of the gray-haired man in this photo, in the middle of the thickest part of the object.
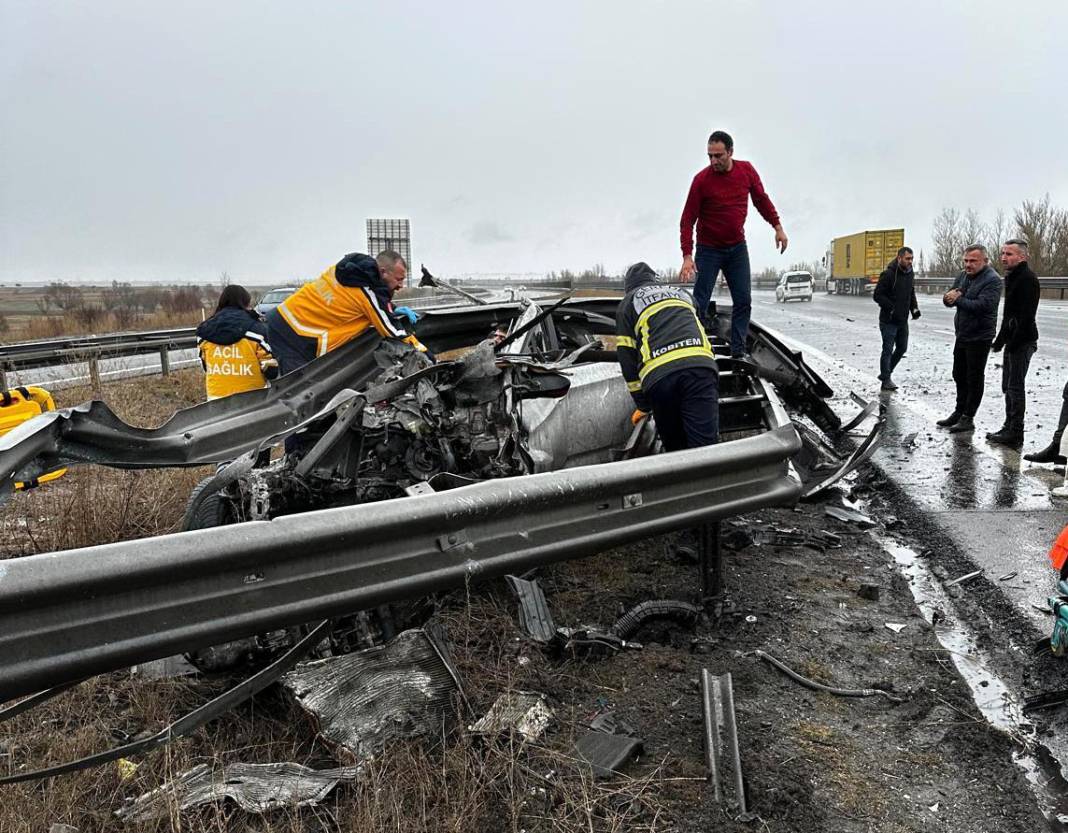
(975, 295)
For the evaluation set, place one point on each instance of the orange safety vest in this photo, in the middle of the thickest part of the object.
(333, 314)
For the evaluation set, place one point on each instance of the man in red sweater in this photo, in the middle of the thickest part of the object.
(718, 202)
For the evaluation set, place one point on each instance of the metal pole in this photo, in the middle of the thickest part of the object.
(165, 361)
(94, 374)
(709, 701)
(730, 723)
(710, 560)
(3, 378)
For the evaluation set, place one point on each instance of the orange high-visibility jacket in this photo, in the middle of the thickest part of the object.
(234, 352)
(341, 303)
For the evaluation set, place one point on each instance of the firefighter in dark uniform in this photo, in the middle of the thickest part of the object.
(667, 361)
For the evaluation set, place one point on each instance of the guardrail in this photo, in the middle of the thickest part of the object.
(28, 355)
(92, 349)
(67, 615)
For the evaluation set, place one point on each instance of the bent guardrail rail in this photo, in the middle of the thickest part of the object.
(221, 429)
(67, 615)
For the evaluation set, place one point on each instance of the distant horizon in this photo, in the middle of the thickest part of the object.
(166, 145)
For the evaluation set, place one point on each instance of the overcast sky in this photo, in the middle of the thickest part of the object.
(175, 141)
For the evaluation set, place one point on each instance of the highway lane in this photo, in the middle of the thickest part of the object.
(994, 505)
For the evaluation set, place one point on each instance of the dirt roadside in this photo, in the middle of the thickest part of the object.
(813, 762)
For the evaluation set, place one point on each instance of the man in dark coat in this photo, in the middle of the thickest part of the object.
(1019, 338)
(896, 297)
(975, 296)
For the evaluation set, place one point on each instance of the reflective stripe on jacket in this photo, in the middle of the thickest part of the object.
(235, 368)
(658, 333)
(332, 313)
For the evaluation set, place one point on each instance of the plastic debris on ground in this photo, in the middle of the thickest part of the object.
(844, 513)
(606, 754)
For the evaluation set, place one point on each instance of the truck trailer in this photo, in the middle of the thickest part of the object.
(855, 262)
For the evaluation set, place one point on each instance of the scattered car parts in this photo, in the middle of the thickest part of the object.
(255, 788)
(360, 701)
(525, 712)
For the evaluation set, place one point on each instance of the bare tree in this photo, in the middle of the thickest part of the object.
(997, 232)
(948, 238)
(122, 301)
(1045, 228)
(63, 296)
(813, 267)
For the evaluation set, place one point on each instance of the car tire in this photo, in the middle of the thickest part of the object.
(207, 511)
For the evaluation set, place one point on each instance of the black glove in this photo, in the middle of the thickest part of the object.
(915, 314)
(997, 346)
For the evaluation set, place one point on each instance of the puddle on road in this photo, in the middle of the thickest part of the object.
(994, 699)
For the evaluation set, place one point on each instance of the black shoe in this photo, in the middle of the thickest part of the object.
(889, 385)
(1050, 454)
(1004, 429)
(950, 420)
(961, 425)
(1006, 437)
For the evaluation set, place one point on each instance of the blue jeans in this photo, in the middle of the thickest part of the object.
(895, 343)
(734, 263)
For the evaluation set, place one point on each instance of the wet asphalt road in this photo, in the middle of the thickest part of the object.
(995, 505)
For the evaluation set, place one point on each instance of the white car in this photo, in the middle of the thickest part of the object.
(794, 286)
(273, 298)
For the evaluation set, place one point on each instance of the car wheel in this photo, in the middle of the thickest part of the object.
(205, 511)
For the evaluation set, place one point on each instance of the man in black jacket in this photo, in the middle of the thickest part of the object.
(1019, 338)
(975, 295)
(667, 361)
(896, 297)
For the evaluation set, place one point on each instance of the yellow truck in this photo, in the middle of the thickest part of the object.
(855, 262)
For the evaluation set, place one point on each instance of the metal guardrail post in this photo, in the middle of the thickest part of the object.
(710, 561)
(94, 374)
(165, 361)
(3, 378)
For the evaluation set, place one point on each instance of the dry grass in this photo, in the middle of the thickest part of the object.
(455, 782)
(452, 783)
(95, 505)
(36, 327)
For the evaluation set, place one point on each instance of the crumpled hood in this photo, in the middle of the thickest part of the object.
(638, 275)
(229, 325)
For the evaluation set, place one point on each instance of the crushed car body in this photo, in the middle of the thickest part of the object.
(413, 478)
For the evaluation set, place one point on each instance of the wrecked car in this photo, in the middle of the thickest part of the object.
(412, 478)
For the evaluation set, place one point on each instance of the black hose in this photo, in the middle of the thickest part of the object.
(629, 622)
(807, 683)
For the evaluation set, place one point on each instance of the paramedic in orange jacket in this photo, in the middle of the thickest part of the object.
(342, 303)
(233, 346)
